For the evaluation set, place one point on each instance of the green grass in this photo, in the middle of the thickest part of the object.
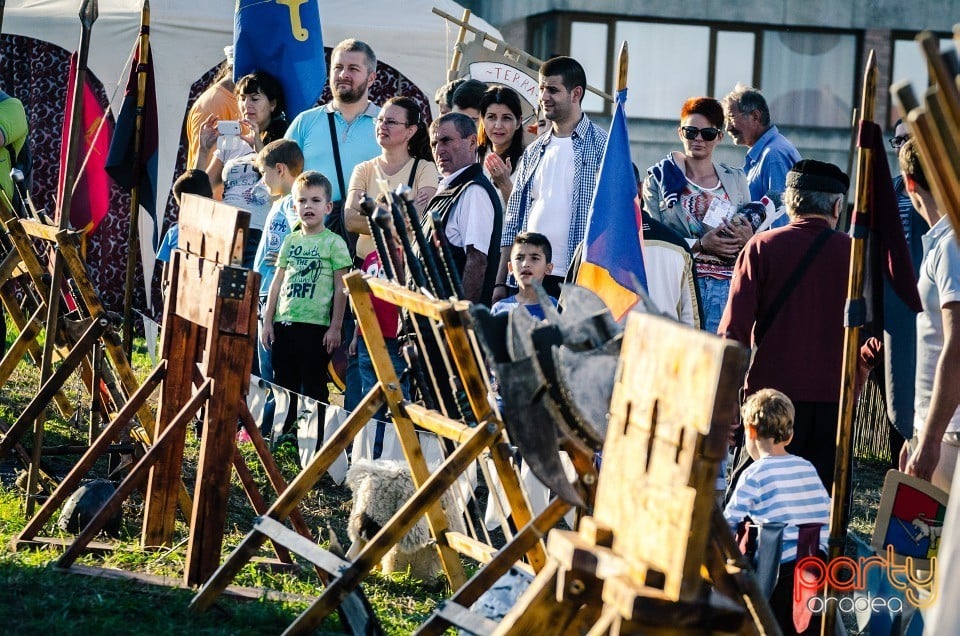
(37, 598)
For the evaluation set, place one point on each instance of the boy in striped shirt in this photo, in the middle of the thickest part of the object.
(777, 487)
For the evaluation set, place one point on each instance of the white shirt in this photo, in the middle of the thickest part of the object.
(471, 221)
(551, 191)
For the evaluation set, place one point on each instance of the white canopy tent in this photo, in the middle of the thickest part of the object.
(188, 36)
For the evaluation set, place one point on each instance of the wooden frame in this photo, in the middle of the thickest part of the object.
(345, 576)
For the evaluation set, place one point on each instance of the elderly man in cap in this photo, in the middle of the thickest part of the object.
(787, 301)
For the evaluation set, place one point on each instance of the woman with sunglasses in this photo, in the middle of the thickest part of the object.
(500, 136)
(701, 199)
(405, 159)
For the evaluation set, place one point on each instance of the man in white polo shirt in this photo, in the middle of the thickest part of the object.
(932, 453)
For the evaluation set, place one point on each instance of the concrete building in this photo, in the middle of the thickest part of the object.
(806, 56)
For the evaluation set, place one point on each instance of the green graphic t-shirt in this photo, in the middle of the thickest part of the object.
(309, 262)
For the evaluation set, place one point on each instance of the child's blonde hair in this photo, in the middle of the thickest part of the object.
(771, 412)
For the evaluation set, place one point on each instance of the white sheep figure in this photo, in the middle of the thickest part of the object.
(380, 488)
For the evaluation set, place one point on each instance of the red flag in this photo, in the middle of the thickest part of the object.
(884, 222)
(128, 168)
(91, 194)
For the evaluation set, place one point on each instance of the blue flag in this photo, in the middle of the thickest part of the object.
(283, 38)
(613, 259)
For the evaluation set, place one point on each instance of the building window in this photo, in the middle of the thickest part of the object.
(808, 78)
(733, 60)
(588, 46)
(660, 80)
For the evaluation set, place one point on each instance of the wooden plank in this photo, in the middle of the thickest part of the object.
(360, 294)
(274, 476)
(403, 297)
(506, 557)
(427, 495)
(537, 611)
(212, 230)
(235, 591)
(52, 385)
(40, 230)
(280, 534)
(468, 546)
(249, 485)
(672, 405)
(229, 349)
(459, 616)
(180, 338)
(437, 422)
(289, 499)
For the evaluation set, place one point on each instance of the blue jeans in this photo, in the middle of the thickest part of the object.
(713, 296)
(368, 378)
(266, 374)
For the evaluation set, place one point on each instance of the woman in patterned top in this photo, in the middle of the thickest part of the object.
(702, 200)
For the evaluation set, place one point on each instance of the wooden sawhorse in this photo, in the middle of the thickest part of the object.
(209, 325)
(345, 576)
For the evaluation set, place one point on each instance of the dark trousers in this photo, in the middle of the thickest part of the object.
(300, 364)
(814, 439)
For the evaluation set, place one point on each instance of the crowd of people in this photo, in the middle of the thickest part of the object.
(750, 252)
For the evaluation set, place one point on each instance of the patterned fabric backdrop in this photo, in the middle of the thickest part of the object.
(36, 73)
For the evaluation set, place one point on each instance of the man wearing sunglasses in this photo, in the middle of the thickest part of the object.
(770, 155)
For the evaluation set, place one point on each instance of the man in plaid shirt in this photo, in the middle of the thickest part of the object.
(557, 174)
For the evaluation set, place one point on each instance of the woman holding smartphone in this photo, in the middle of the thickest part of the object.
(228, 151)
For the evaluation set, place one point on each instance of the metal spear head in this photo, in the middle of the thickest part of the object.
(89, 12)
(405, 192)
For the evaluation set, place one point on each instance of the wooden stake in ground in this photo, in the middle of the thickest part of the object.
(133, 235)
(840, 512)
(88, 15)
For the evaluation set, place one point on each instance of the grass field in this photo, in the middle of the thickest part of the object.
(37, 598)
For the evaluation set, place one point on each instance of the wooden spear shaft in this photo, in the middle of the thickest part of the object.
(840, 511)
(133, 234)
(88, 15)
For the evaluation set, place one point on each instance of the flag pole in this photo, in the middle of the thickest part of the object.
(133, 235)
(840, 511)
(88, 15)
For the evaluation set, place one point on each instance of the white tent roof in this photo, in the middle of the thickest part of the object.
(188, 36)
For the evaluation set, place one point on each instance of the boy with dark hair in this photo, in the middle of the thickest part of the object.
(531, 260)
(467, 98)
(280, 162)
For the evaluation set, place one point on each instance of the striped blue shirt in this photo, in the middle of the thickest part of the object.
(785, 489)
(589, 141)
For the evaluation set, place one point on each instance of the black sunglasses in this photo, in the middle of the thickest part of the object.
(691, 132)
(896, 142)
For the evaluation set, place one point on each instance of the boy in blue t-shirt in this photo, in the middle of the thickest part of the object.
(530, 262)
(280, 162)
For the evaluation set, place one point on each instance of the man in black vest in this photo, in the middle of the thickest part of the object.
(471, 216)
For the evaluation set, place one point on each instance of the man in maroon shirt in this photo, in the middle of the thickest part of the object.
(787, 301)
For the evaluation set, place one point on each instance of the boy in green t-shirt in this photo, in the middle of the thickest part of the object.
(304, 314)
